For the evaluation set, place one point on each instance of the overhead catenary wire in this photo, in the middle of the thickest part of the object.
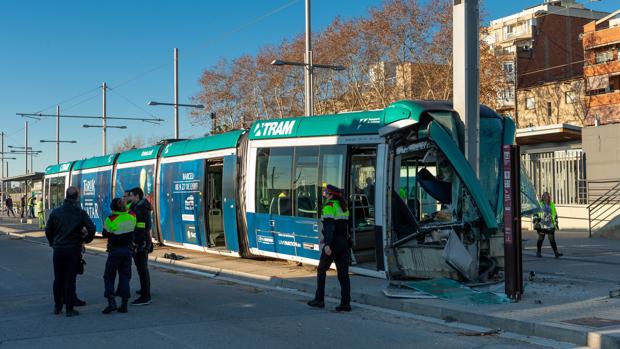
(113, 90)
(149, 71)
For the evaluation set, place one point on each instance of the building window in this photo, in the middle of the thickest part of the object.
(508, 67)
(509, 31)
(549, 110)
(569, 97)
(507, 95)
(604, 56)
(530, 103)
(614, 83)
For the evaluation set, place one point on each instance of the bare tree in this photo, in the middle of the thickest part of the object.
(403, 50)
(128, 143)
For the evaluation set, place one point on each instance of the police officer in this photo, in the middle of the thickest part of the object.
(64, 232)
(144, 245)
(547, 224)
(119, 229)
(335, 220)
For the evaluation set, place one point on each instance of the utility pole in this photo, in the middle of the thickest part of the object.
(57, 141)
(309, 107)
(466, 70)
(2, 154)
(103, 119)
(176, 93)
(26, 147)
(57, 134)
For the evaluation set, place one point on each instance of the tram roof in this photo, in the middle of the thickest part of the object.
(204, 144)
(141, 154)
(58, 168)
(354, 123)
(99, 161)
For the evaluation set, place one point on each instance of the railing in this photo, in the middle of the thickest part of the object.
(604, 202)
(561, 173)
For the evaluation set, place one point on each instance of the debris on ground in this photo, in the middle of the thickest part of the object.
(454, 291)
(405, 292)
(173, 256)
(472, 333)
(614, 293)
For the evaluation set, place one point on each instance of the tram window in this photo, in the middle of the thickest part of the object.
(46, 191)
(415, 176)
(407, 189)
(57, 191)
(273, 181)
(306, 182)
(363, 174)
(333, 163)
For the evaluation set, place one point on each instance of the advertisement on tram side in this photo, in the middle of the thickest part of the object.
(95, 195)
(181, 200)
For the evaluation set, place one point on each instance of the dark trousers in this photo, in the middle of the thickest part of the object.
(66, 262)
(141, 260)
(541, 237)
(9, 209)
(341, 258)
(119, 261)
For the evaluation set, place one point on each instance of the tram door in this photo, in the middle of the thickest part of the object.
(214, 204)
(362, 176)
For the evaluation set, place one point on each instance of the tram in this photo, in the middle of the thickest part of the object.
(417, 208)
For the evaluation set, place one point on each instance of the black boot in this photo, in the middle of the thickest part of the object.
(123, 308)
(316, 303)
(111, 305)
(343, 307)
(555, 250)
(538, 248)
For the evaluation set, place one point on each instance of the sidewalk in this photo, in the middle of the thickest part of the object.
(567, 300)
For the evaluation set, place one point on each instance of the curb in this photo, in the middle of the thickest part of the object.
(602, 339)
(554, 331)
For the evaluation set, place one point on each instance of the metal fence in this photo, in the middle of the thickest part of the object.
(562, 173)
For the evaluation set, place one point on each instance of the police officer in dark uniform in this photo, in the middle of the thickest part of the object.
(335, 221)
(64, 232)
(143, 243)
(118, 228)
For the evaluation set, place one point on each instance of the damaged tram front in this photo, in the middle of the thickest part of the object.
(442, 221)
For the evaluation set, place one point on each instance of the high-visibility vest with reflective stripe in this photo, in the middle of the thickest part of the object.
(120, 223)
(332, 209)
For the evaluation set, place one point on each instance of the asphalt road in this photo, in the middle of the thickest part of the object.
(191, 311)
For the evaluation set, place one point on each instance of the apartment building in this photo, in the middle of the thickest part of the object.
(541, 46)
(601, 45)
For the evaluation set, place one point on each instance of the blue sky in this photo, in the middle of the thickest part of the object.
(55, 50)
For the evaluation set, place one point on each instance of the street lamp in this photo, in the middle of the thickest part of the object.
(308, 66)
(299, 64)
(106, 126)
(176, 115)
(309, 99)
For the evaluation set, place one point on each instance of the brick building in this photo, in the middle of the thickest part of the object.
(601, 44)
(541, 46)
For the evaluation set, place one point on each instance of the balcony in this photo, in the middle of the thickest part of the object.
(604, 99)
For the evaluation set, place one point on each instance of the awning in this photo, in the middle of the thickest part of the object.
(548, 134)
(599, 82)
(36, 176)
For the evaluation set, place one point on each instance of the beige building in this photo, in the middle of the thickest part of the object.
(552, 103)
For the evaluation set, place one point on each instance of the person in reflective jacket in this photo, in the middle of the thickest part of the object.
(118, 228)
(546, 224)
(335, 222)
